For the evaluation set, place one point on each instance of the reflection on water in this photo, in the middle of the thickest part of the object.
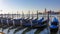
(38, 30)
(25, 30)
(31, 31)
(11, 29)
(53, 33)
(5, 27)
(5, 31)
(20, 32)
(18, 29)
(45, 31)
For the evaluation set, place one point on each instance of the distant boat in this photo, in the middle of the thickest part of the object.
(54, 25)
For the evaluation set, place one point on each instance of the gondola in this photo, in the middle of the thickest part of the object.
(54, 25)
(35, 23)
(26, 23)
(3, 21)
(10, 21)
(6, 21)
(41, 23)
(17, 22)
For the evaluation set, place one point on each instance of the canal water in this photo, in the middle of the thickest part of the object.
(27, 30)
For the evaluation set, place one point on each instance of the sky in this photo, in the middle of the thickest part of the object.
(12, 6)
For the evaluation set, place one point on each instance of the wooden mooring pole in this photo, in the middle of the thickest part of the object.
(48, 29)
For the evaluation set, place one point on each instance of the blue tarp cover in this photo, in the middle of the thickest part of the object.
(53, 26)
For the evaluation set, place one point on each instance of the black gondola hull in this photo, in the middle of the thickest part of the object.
(53, 29)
